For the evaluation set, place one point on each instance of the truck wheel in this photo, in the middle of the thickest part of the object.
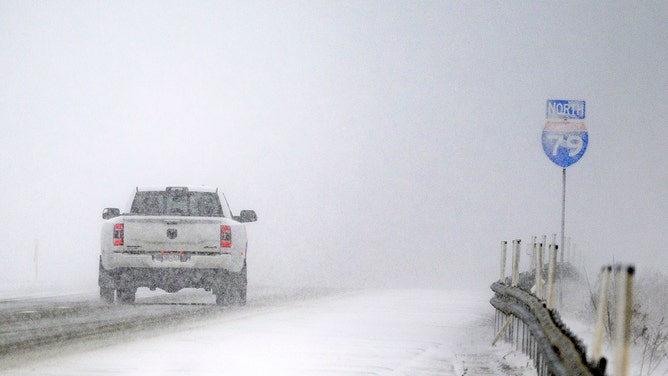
(242, 285)
(126, 296)
(107, 295)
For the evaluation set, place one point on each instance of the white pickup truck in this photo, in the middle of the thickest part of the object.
(173, 238)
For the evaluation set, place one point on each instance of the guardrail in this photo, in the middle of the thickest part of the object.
(525, 316)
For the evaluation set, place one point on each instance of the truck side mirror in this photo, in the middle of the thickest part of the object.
(109, 213)
(247, 216)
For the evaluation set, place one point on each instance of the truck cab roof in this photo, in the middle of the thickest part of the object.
(184, 188)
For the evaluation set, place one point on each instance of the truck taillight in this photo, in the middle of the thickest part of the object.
(118, 234)
(225, 236)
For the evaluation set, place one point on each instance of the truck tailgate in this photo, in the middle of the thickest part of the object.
(187, 234)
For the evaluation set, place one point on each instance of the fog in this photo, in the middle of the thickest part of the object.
(381, 143)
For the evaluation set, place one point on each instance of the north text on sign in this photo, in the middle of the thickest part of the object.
(565, 109)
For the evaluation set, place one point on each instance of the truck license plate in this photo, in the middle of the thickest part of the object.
(171, 257)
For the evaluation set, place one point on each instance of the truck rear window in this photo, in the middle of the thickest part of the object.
(193, 204)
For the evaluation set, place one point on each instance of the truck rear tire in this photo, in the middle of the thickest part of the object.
(241, 285)
(233, 288)
(107, 295)
(126, 296)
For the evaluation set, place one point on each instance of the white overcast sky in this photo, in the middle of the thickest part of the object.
(380, 142)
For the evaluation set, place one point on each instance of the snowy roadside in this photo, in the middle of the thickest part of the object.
(15, 291)
(650, 304)
(404, 332)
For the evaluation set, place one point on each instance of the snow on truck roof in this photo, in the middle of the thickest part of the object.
(193, 188)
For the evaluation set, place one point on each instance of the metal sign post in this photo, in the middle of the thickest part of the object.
(563, 211)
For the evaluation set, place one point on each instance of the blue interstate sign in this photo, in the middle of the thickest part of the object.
(565, 142)
(565, 109)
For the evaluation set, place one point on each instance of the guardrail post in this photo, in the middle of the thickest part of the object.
(604, 290)
(503, 329)
(516, 262)
(532, 252)
(504, 246)
(624, 303)
(552, 274)
(539, 271)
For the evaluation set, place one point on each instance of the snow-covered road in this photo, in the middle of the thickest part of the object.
(384, 332)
